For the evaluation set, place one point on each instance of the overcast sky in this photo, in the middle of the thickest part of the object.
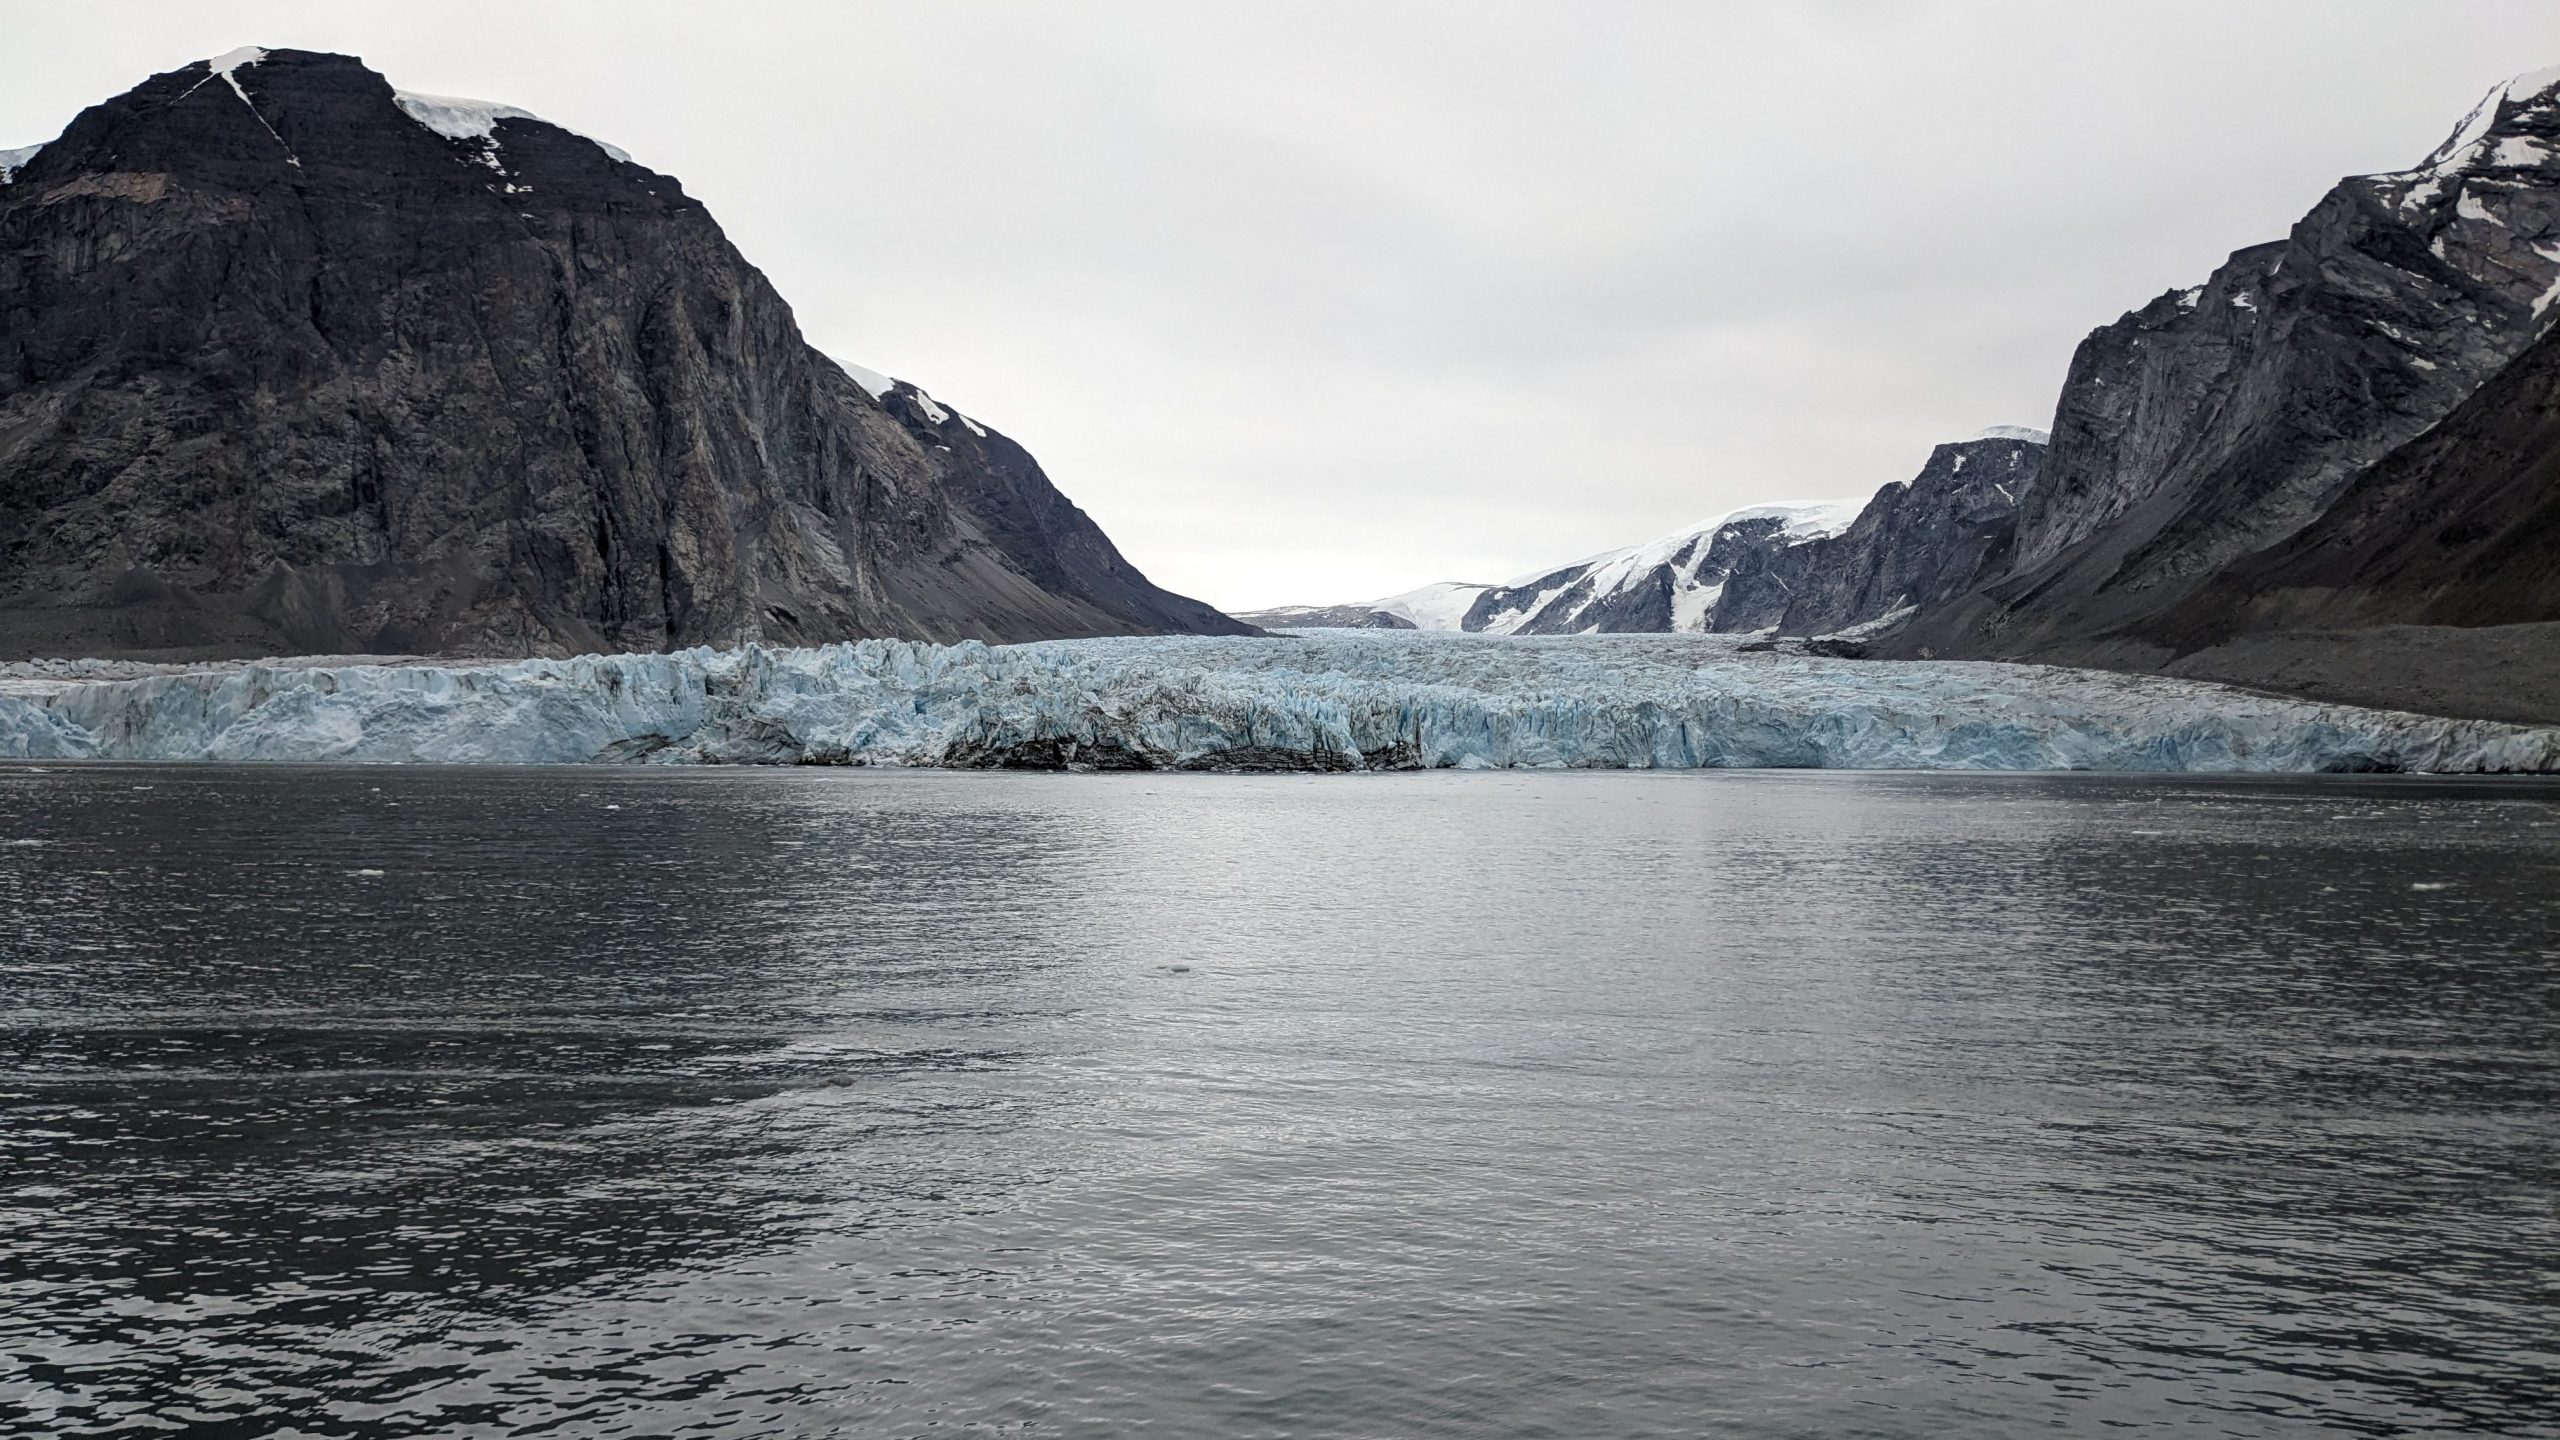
(1318, 302)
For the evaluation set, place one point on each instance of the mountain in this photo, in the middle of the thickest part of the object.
(2433, 583)
(2203, 444)
(1809, 569)
(1918, 542)
(294, 361)
(1669, 584)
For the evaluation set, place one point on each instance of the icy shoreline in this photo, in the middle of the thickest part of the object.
(1320, 701)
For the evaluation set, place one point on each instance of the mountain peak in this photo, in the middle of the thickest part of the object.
(299, 363)
(2494, 133)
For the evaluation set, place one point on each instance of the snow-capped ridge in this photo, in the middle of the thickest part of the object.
(1526, 603)
(873, 383)
(13, 161)
(2030, 434)
(878, 386)
(456, 118)
(2467, 147)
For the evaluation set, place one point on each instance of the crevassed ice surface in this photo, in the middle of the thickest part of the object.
(1336, 699)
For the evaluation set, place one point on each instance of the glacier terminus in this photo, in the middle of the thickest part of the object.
(1313, 700)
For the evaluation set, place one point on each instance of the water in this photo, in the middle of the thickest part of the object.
(360, 1102)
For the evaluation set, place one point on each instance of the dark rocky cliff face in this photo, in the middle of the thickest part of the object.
(2136, 390)
(2216, 422)
(283, 368)
(1918, 543)
(1763, 569)
(2459, 527)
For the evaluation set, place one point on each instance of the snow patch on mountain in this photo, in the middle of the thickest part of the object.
(1438, 606)
(13, 161)
(873, 383)
(457, 118)
(1336, 700)
(2472, 145)
(2038, 437)
(230, 63)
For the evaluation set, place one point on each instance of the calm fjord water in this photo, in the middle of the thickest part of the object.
(367, 1102)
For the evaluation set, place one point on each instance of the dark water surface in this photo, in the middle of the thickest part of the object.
(364, 1102)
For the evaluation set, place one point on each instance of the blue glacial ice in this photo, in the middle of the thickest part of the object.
(1328, 700)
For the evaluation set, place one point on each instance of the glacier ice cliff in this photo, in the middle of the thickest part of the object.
(1320, 700)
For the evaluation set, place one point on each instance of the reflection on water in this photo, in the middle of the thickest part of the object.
(350, 1102)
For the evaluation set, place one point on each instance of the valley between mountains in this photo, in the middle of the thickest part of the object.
(297, 363)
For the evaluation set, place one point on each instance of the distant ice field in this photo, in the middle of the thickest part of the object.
(1312, 700)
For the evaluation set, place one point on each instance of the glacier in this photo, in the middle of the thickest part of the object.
(1312, 700)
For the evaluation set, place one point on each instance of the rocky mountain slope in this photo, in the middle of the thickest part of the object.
(1666, 585)
(1796, 569)
(2433, 583)
(2225, 446)
(293, 362)
(1918, 542)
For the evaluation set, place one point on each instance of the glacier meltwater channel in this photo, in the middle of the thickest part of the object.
(1320, 700)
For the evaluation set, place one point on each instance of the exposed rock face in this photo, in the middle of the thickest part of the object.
(1920, 542)
(1796, 569)
(2136, 390)
(2218, 421)
(1762, 569)
(2432, 584)
(290, 363)
(2460, 526)
(1667, 585)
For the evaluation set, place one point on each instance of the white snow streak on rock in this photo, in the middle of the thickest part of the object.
(229, 63)
(13, 161)
(1339, 698)
(932, 411)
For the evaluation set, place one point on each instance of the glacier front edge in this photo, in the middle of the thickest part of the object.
(1324, 700)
